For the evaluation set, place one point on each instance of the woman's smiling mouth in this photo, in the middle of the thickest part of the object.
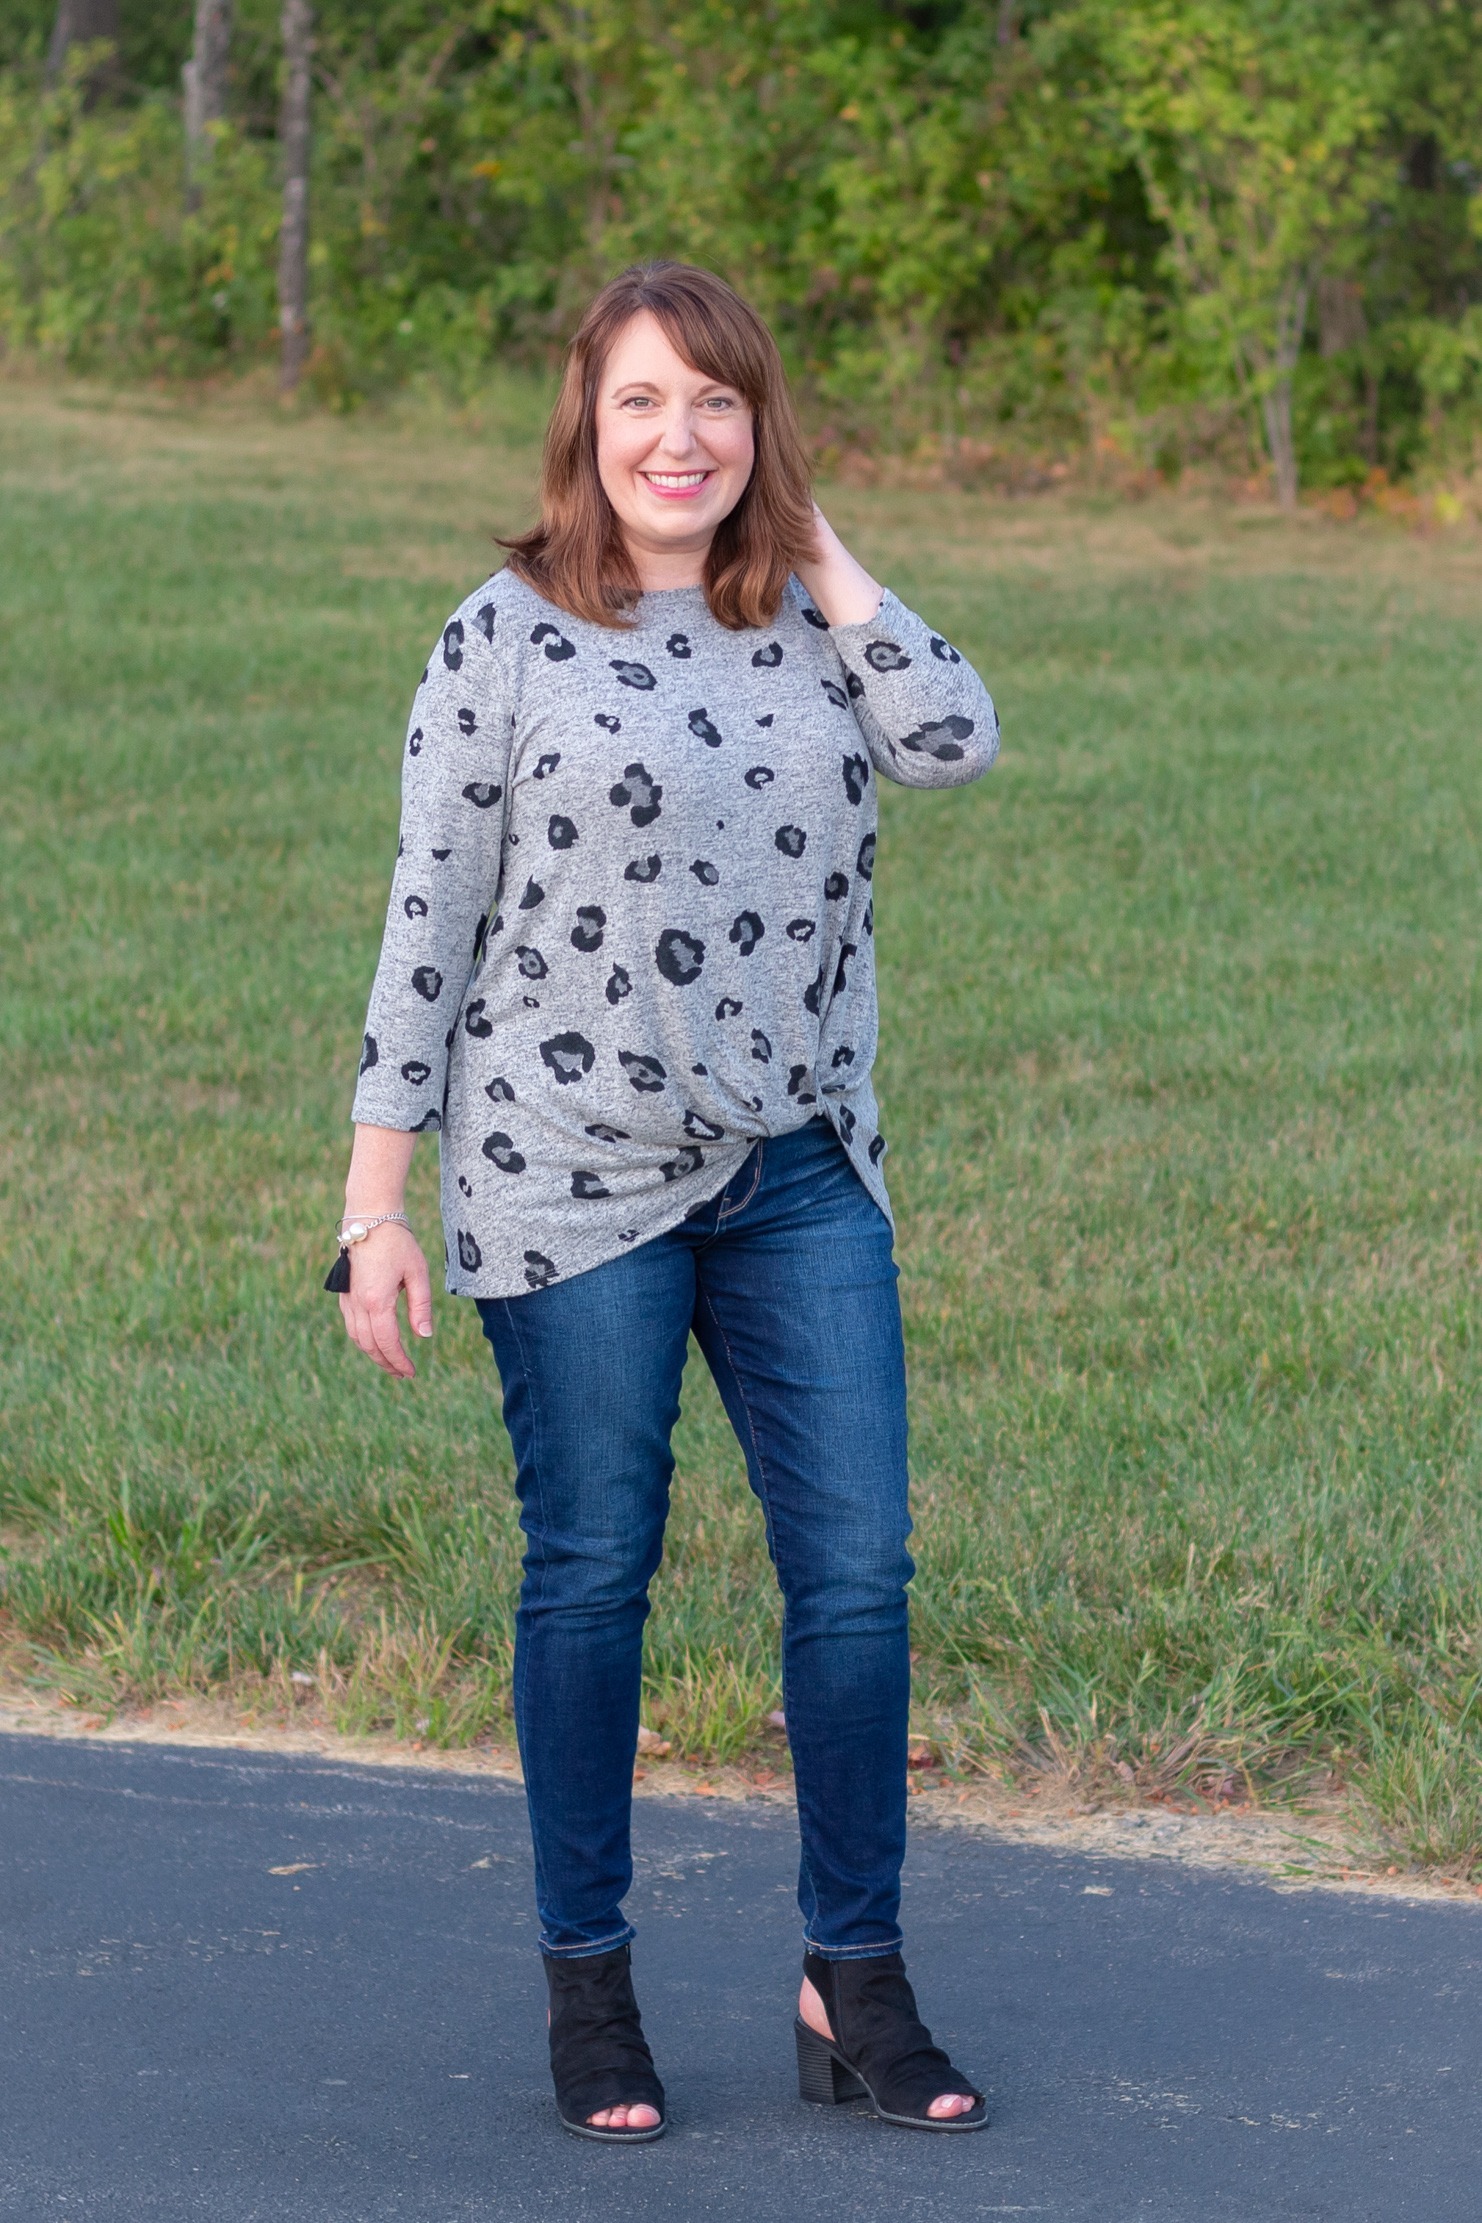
(675, 483)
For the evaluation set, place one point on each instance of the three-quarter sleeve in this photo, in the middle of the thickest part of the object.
(454, 790)
(926, 717)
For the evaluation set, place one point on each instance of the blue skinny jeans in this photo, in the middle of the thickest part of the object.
(788, 1282)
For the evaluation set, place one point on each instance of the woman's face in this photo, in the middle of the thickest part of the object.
(674, 448)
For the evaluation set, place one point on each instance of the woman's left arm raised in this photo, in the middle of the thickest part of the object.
(926, 716)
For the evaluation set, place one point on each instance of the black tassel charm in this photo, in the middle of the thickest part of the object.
(338, 1277)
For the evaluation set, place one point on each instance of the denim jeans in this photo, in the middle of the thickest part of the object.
(788, 1282)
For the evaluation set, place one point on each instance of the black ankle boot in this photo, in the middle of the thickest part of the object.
(881, 2050)
(599, 2057)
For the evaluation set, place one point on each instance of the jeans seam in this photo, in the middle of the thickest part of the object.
(535, 1464)
(624, 1936)
(854, 1952)
(756, 1182)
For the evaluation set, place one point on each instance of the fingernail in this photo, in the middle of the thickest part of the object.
(424, 1331)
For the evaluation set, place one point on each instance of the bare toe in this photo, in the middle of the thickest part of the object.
(950, 2103)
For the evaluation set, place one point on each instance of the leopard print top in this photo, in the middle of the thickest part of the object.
(631, 921)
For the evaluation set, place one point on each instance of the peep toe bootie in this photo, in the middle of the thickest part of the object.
(599, 2056)
(880, 2050)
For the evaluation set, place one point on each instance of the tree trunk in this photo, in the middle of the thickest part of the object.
(77, 23)
(204, 77)
(293, 250)
(1276, 394)
(1008, 21)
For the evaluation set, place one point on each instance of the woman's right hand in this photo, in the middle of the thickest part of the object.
(389, 1260)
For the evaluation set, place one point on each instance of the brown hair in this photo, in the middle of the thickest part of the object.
(576, 556)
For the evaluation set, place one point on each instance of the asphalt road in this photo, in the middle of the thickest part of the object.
(188, 2034)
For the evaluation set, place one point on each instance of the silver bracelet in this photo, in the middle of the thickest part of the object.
(355, 1226)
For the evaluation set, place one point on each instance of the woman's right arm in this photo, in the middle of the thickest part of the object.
(455, 777)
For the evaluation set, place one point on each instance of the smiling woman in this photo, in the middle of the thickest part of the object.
(628, 979)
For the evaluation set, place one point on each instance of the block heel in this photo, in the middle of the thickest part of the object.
(822, 2077)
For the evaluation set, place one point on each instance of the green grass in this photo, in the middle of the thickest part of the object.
(1180, 1064)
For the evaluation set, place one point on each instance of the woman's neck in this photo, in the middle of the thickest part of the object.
(660, 570)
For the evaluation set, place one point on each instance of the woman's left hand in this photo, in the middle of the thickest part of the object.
(841, 587)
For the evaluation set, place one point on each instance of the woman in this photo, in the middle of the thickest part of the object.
(627, 976)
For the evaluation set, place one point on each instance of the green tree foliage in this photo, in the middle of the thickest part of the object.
(987, 232)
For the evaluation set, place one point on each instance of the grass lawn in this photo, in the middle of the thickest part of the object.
(1180, 1066)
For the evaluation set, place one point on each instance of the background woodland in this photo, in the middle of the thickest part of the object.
(999, 240)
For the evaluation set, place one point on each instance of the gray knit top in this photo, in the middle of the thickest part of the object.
(630, 928)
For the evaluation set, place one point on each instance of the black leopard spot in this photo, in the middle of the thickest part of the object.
(601, 1131)
(415, 907)
(690, 1160)
(633, 675)
(944, 653)
(499, 1091)
(560, 833)
(588, 1185)
(442, 855)
(701, 1070)
(842, 1056)
(679, 956)
(645, 1073)
(795, 1085)
(856, 778)
(800, 930)
(813, 994)
(846, 1120)
(703, 730)
(836, 694)
(746, 931)
(702, 1129)
(878, 1149)
(416, 1072)
(853, 685)
(835, 886)
(414, 742)
(557, 648)
(761, 1048)
(465, 1186)
(532, 965)
(767, 659)
(484, 620)
(547, 763)
(586, 935)
(639, 788)
(467, 723)
(540, 1271)
(849, 950)
(370, 1053)
(868, 921)
(886, 656)
(475, 1023)
(533, 896)
(678, 644)
(768, 720)
(568, 1057)
(470, 1257)
(428, 982)
(643, 869)
(705, 873)
(727, 1008)
(618, 985)
(483, 794)
(500, 1151)
(791, 840)
(928, 739)
(814, 617)
(429, 1124)
(760, 776)
(612, 725)
(453, 644)
(865, 861)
